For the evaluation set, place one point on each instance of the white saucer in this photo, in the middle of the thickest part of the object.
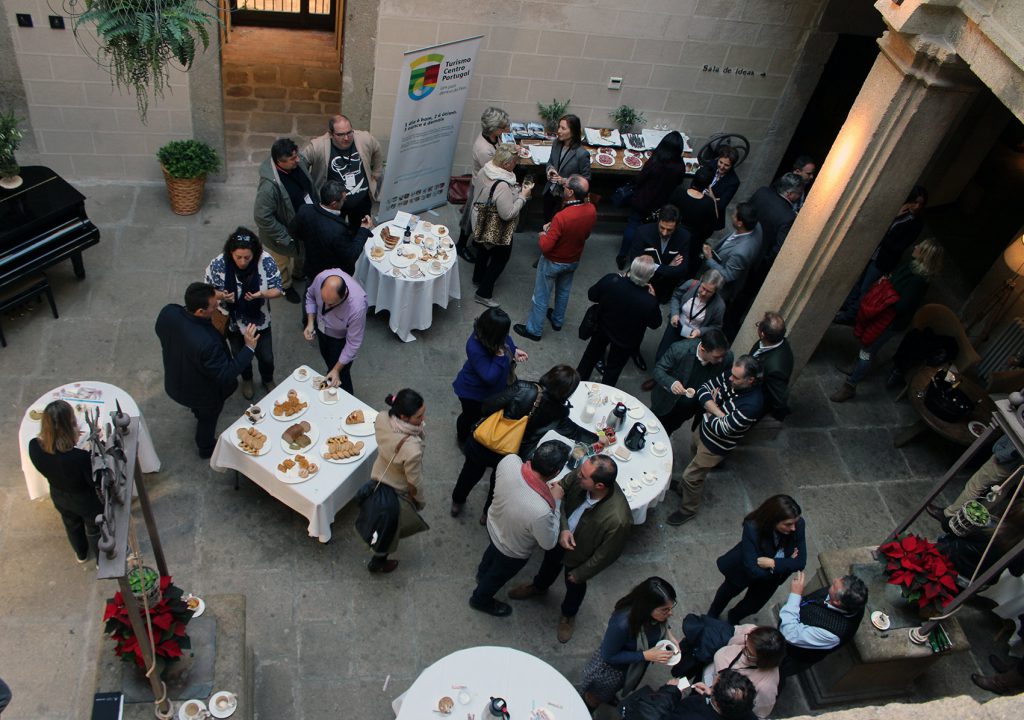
(648, 479)
(182, 715)
(297, 375)
(202, 605)
(653, 427)
(440, 271)
(323, 397)
(363, 429)
(637, 412)
(880, 620)
(674, 660)
(226, 712)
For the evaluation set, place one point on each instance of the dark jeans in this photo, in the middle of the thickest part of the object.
(617, 357)
(494, 571)
(330, 351)
(264, 354)
(632, 223)
(472, 410)
(78, 513)
(206, 428)
(478, 459)
(490, 263)
(674, 418)
(758, 595)
(354, 215)
(552, 205)
(548, 573)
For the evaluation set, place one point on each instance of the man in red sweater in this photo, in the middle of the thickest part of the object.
(561, 246)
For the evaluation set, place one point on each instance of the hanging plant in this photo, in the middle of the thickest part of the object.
(139, 38)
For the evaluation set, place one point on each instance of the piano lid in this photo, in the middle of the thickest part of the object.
(44, 198)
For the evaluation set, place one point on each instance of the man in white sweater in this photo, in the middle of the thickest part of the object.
(524, 514)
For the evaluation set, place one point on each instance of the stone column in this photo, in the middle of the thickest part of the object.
(206, 98)
(359, 52)
(912, 96)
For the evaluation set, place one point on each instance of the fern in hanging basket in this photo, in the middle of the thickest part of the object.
(139, 38)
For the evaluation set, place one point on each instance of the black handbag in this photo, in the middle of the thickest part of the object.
(591, 319)
(945, 401)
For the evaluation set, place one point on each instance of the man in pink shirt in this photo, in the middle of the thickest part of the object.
(561, 246)
(336, 315)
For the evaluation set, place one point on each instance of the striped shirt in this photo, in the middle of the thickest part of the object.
(742, 410)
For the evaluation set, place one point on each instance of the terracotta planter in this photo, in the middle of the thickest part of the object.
(186, 195)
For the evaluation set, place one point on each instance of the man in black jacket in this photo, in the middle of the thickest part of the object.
(324, 235)
(776, 356)
(198, 371)
(665, 242)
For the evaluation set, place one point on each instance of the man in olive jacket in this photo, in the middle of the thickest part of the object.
(687, 364)
(595, 522)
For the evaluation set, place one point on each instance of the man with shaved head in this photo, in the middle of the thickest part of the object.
(336, 316)
(353, 158)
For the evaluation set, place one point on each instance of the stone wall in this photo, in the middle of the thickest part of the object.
(82, 125)
(671, 54)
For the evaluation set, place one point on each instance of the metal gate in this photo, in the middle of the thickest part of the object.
(309, 14)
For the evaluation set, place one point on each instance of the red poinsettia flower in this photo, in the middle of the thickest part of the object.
(923, 572)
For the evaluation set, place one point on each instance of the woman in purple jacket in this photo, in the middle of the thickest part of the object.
(490, 353)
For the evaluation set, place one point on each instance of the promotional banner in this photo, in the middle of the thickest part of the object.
(432, 94)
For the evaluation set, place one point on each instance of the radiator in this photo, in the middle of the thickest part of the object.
(1008, 342)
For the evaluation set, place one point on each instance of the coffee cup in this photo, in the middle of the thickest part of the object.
(690, 392)
(435, 265)
(332, 392)
(658, 447)
(191, 709)
(588, 413)
(302, 373)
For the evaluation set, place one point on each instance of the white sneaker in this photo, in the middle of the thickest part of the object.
(486, 301)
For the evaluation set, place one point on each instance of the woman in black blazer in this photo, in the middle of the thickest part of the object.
(773, 547)
(568, 157)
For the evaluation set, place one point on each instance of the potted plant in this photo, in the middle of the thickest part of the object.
(139, 38)
(970, 517)
(168, 617)
(925, 575)
(551, 113)
(627, 118)
(185, 164)
(10, 138)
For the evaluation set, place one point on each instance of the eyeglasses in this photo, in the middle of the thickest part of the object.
(665, 611)
(345, 134)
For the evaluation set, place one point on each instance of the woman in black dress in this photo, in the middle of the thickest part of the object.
(68, 470)
(698, 209)
(772, 548)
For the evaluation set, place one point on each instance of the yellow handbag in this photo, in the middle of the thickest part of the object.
(499, 434)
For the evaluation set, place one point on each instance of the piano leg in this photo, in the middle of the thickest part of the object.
(78, 265)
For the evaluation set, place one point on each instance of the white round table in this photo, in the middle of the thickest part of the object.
(527, 684)
(81, 395)
(644, 478)
(409, 295)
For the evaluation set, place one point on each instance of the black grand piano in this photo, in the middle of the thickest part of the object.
(42, 223)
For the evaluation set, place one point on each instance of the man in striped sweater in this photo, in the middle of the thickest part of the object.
(733, 402)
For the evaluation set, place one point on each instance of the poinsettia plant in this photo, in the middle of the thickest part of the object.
(168, 617)
(924, 573)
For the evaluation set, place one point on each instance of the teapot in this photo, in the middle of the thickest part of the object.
(636, 439)
(617, 417)
(498, 708)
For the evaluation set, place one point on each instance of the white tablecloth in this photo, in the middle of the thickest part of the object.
(525, 682)
(105, 397)
(409, 301)
(319, 498)
(660, 468)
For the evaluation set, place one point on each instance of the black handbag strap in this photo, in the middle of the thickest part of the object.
(494, 186)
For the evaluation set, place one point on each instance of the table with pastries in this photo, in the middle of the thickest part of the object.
(82, 396)
(408, 274)
(465, 682)
(319, 492)
(643, 477)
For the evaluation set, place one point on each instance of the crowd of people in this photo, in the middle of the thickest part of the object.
(312, 214)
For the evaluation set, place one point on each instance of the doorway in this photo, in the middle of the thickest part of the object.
(305, 14)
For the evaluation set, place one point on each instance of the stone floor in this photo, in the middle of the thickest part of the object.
(277, 83)
(326, 634)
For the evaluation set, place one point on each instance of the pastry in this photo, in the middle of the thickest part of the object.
(290, 406)
(445, 705)
(377, 252)
(296, 436)
(606, 133)
(355, 417)
(251, 440)
(339, 447)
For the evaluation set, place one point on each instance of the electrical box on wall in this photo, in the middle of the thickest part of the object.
(614, 83)
(56, 22)
(24, 20)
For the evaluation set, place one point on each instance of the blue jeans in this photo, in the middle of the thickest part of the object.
(865, 355)
(558, 275)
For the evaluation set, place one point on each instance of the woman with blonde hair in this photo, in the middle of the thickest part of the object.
(68, 470)
(496, 183)
(888, 307)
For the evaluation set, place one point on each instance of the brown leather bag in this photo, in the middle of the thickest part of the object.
(458, 189)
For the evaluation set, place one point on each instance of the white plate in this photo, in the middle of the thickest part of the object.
(263, 451)
(226, 712)
(323, 397)
(293, 479)
(439, 231)
(346, 461)
(637, 412)
(605, 160)
(674, 660)
(655, 453)
(182, 715)
(976, 428)
(200, 609)
(402, 261)
(302, 374)
(287, 418)
(440, 271)
(363, 429)
(617, 458)
(880, 620)
(653, 427)
(314, 435)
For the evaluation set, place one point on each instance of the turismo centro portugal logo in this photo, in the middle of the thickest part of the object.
(423, 75)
